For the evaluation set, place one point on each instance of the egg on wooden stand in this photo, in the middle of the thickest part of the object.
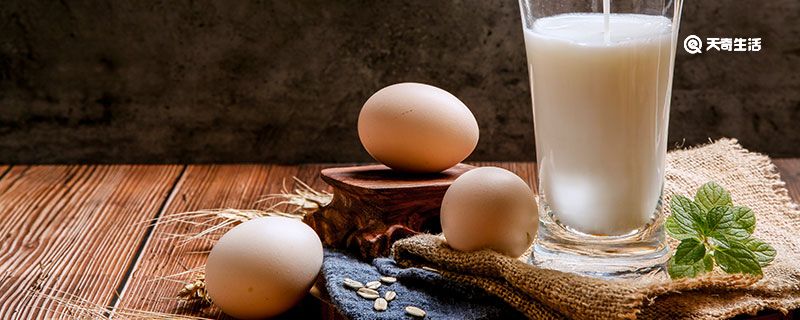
(414, 127)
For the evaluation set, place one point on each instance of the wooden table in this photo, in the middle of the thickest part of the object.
(83, 229)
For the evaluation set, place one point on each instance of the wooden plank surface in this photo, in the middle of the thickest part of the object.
(210, 187)
(73, 229)
(4, 170)
(789, 169)
(201, 187)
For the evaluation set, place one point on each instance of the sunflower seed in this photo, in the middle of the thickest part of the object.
(352, 284)
(390, 295)
(381, 304)
(388, 279)
(368, 293)
(430, 269)
(373, 284)
(414, 311)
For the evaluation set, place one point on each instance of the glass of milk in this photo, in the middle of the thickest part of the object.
(601, 78)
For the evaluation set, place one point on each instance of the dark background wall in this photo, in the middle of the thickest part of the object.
(283, 81)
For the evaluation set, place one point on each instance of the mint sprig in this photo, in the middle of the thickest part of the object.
(714, 232)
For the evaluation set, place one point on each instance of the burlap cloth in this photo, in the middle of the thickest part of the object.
(545, 294)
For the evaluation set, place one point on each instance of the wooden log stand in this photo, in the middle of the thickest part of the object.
(373, 206)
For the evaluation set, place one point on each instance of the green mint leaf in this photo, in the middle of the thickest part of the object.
(712, 195)
(735, 257)
(718, 216)
(724, 223)
(708, 263)
(713, 231)
(687, 219)
(720, 239)
(676, 271)
(677, 230)
(745, 218)
(763, 252)
(689, 251)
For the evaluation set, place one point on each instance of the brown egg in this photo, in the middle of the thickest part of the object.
(490, 208)
(415, 127)
(263, 267)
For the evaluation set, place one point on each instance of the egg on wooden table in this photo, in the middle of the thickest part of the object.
(490, 208)
(263, 267)
(415, 127)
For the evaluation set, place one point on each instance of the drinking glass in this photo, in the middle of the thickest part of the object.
(601, 78)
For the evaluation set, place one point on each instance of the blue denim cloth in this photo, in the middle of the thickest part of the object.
(439, 297)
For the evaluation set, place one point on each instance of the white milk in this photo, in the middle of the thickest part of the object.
(601, 111)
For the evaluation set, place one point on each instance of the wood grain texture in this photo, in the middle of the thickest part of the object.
(3, 170)
(201, 187)
(374, 179)
(73, 229)
(374, 206)
(789, 169)
(226, 186)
